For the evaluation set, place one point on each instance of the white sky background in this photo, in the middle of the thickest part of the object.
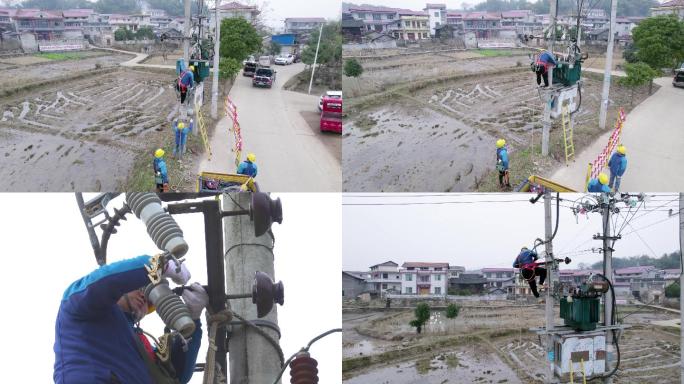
(488, 234)
(415, 5)
(46, 247)
(276, 11)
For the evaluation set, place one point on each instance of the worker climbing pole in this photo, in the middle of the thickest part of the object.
(241, 292)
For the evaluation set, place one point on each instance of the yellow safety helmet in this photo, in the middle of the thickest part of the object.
(603, 178)
(500, 143)
(192, 67)
(159, 153)
(181, 125)
(621, 149)
(251, 157)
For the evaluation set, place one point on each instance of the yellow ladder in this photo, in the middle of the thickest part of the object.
(203, 132)
(567, 135)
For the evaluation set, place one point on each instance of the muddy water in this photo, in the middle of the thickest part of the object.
(83, 135)
(412, 148)
(462, 366)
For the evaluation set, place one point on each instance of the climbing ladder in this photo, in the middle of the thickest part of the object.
(567, 135)
(203, 131)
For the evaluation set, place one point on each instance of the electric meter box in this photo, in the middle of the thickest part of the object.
(579, 350)
(566, 96)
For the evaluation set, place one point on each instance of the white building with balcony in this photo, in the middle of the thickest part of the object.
(376, 19)
(424, 278)
(385, 278)
(437, 16)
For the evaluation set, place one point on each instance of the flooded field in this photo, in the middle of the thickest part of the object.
(489, 344)
(66, 137)
(429, 121)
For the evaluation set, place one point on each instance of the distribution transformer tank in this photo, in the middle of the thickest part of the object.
(580, 354)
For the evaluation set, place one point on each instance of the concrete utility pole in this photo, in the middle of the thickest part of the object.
(215, 82)
(187, 31)
(608, 273)
(548, 230)
(546, 123)
(609, 66)
(313, 69)
(252, 358)
(681, 283)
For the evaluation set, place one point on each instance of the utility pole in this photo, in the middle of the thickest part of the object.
(546, 123)
(607, 271)
(549, 281)
(252, 358)
(186, 33)
(609, 66)
(681, 283)
(313, 69)
(214, 82)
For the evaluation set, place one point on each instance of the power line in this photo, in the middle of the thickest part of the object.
(650, 225)
(437, 202)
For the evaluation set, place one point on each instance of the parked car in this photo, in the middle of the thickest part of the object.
(329, 94)
(250, 59)
(249, 69)
(331, 115)
(264, 61)
(264, 77)
(678, 80)
(284, 60)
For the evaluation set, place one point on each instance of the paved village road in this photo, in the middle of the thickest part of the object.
(654, 136)
(281, 128)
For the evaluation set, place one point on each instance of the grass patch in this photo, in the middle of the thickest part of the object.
(452, 361)
(423, 366)
(60, 56)
(498, 52)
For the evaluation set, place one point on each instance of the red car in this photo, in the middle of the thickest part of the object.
(331, 115)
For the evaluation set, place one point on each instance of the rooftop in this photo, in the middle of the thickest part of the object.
(630, 270)
(306, 19)
(433, 6)
(673, 3)
(411, 264)
(369, 8)
(78, 12)
(37, 14)
(234, 6)
(391, 263)
(484, 270)
(481, 16)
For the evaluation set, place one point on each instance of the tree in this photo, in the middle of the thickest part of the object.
(229, 67)
(629, 54)
(352, 68)
(120, 34)
(452, 311)
(145, 33)
(330, 50)
(239, 39)
(275, 48)
(638, 74)
(672, 290)
(117, 6)
(422, 313)
(660, 41)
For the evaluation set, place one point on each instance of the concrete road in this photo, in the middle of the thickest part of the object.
(281, 128)
(654, 136)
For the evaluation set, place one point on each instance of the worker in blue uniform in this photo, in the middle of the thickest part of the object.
(545, 61)
(502, 164)
(248, 167)
(618, 166)
(97, 333)
(599, 184)
(529, 269)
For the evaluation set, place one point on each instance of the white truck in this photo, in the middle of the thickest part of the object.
(264, 61)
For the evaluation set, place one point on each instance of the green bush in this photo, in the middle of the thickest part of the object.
(672, 290)
(452, 311)
(352, 68)
(422, 313)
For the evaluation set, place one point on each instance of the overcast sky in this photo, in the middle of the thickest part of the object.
(45, 248)
(276, 11)
(488, 230)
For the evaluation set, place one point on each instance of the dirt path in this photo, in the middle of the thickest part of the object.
(292, 155)
(653, 136)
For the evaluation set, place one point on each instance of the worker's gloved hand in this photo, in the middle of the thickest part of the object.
(179, 278)
(196, 298)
